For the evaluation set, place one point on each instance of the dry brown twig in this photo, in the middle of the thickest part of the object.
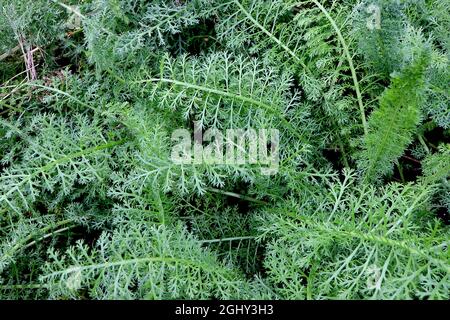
(27, 52)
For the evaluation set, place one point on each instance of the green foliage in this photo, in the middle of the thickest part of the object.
(92, 206)
(350, 242)
(436, 168)
(250, 91)
(171, 265)
(394, 122)
(37, 23)
(56, 155)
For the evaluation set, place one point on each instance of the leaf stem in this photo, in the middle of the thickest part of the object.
(350, 62)
(236, 195)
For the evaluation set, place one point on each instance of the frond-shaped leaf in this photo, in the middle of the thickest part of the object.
(120, 33)
(58, 154)
(224, 91)
(356, 241)
(305, 38)
(392, 125)
(23, 234)
(142, 261)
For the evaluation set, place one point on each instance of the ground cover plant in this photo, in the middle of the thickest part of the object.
(353, 200)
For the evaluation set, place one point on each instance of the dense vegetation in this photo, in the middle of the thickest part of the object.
(92, 207)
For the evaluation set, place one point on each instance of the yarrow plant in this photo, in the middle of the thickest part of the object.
(224, 149)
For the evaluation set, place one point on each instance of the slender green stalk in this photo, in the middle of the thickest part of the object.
(24, 243)
(271, 36)
(350, 62)
(227, 239)
(236, 195)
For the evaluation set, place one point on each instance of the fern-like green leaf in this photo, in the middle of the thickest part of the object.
(392, 125)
